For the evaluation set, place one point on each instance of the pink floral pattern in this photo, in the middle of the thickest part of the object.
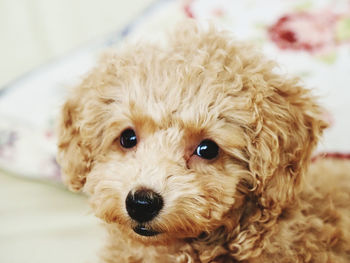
(313, 32)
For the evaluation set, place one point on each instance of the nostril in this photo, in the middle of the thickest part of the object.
(143, 205)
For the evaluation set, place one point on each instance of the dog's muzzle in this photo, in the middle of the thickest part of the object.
(143, 206)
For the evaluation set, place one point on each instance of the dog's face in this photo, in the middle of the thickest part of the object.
(171, 142)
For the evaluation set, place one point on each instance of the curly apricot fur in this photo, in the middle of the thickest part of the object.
(258, 201)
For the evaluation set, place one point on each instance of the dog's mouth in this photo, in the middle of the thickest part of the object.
(144, 231)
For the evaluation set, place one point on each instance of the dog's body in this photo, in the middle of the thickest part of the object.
(199, 152)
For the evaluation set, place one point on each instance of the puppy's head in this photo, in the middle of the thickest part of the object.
(173, 141)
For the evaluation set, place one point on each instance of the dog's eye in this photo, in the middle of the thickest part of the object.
(207, 149)
(128, 138)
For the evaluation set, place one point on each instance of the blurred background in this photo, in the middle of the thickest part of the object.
(35, 31)
(46, 46)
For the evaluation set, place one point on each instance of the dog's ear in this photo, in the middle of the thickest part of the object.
(84, 119)
(287, 128)
(73, 155)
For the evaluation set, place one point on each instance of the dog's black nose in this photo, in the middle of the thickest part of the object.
(143, 205)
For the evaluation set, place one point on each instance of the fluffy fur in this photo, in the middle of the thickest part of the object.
(257, 202)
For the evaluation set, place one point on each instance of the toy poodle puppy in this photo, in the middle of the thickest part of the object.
(197, 150)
